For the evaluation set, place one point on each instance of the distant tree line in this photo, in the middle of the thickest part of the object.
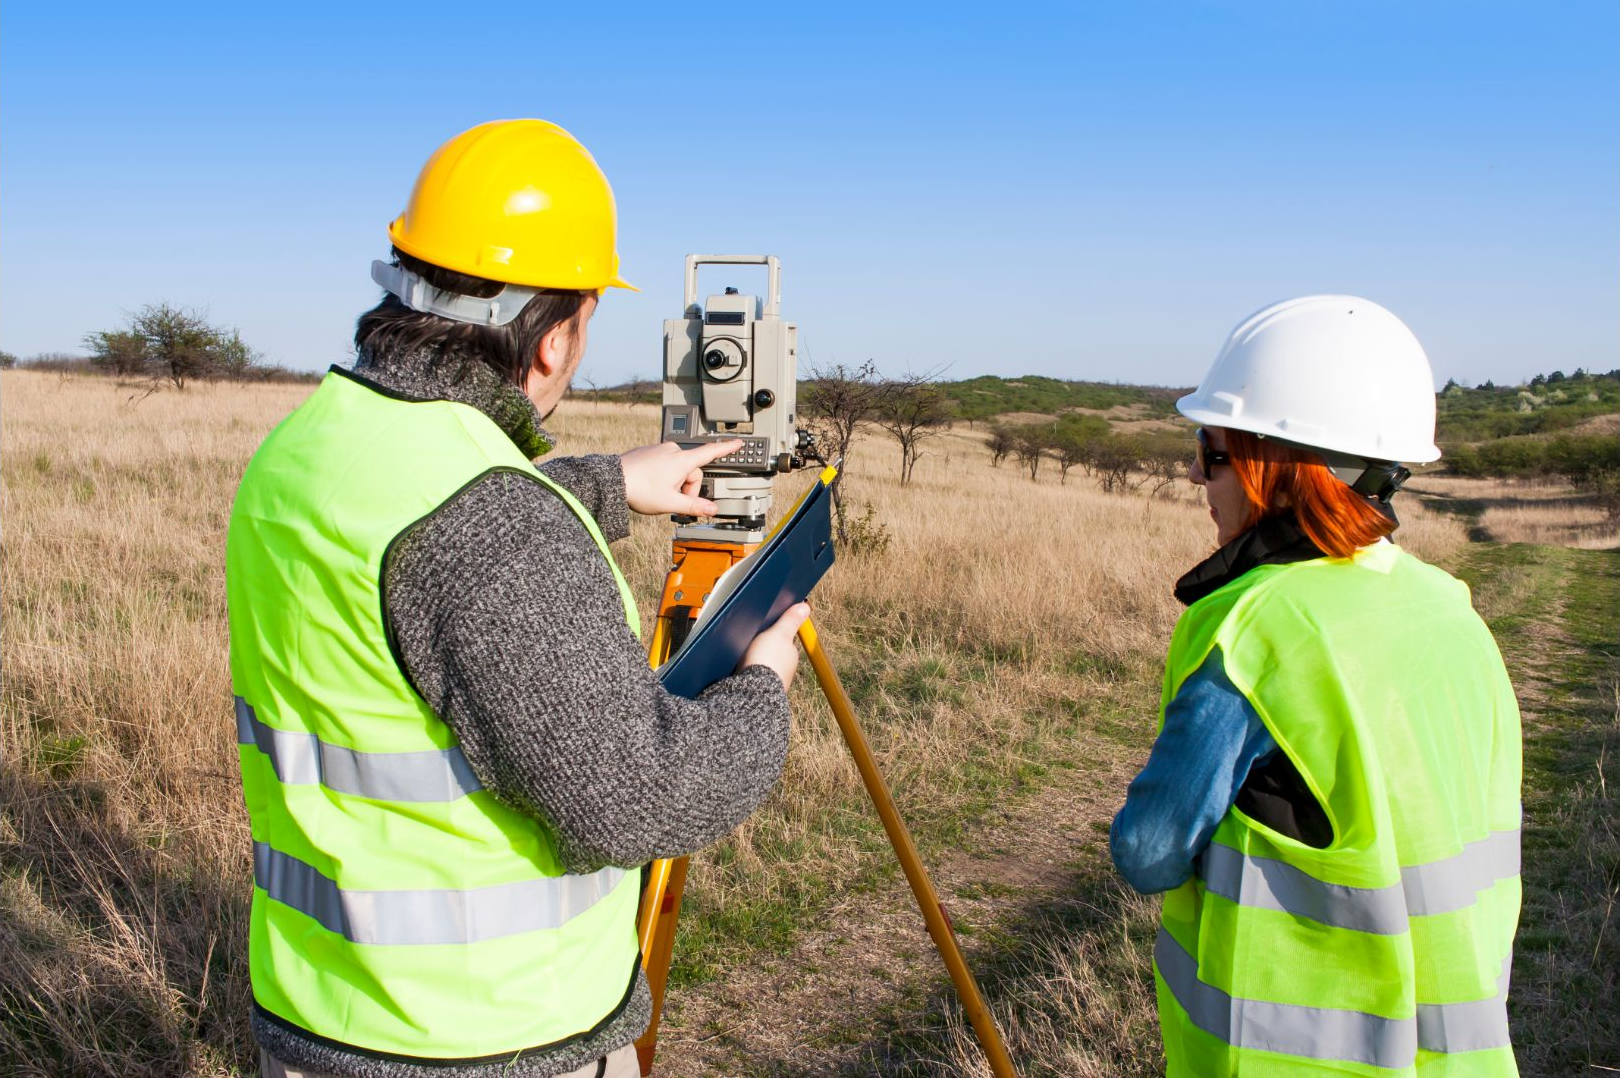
(989, 396)
(635, 391)
(164, 343)
(1117, 462)
(1546, 404)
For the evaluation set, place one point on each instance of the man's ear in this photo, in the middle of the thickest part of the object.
(552, 354)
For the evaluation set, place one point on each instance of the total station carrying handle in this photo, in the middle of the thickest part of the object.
(773, 301)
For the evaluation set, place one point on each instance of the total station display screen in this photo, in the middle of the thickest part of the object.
(724, 318)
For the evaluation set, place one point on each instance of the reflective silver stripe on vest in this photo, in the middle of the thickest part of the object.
(1329, 1034)
(1455, 883)
(428, 916)
(1465, 1026)
(1277, 886)
(1299, 1030)
(408, 776)
(1428, 889)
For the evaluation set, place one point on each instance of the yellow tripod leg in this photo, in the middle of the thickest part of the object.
(696, 566)
(660, 909)
(660, 905)
(933, 912)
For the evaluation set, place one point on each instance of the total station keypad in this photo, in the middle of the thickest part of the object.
(753, 453)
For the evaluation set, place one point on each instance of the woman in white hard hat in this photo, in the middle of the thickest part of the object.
(1332, 803)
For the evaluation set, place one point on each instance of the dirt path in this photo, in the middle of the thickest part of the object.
(868, 967)
(1537, 660)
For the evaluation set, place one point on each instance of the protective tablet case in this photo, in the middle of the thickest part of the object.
(786, 567)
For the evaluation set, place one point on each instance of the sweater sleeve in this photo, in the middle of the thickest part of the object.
(507, 620)
(1211, 738)
(597, 481)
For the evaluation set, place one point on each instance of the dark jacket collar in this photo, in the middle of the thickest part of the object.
(426, 376)
(1274, 540)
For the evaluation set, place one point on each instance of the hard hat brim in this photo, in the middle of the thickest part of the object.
(1195, 409)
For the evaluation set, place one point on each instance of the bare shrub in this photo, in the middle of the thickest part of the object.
(867, 535)
(1002, 442)
(1113, 460)
(912, 410)
(1029, 446)
(1068, 450)
(1165, 460)
(838, 402)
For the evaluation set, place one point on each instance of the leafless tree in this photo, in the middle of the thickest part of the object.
(1002, 442)
(836, 402)
(637, 388)
(1068, 450)
(1029, 446)
(912, 410)
(1112, 460)
(1164, 463)
(591, 387)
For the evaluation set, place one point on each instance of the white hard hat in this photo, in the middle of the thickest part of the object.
(1331, 373)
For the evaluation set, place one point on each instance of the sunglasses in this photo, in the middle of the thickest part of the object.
(1207, 458)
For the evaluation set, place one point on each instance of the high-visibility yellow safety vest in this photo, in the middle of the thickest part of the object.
(1387, 952)
(398, 909)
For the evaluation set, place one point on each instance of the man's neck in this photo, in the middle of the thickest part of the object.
(426, 376)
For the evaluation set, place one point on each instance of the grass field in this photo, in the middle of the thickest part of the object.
(1002, 651)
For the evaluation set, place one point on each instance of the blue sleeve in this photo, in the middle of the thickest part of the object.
(1211, 738)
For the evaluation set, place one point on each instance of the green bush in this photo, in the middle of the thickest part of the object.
(1578, 458)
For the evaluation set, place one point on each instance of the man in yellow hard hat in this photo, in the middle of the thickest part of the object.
(454, 754)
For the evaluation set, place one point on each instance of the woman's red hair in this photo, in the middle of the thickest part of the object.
(1277, 479)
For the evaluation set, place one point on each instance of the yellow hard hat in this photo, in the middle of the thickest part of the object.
(519, 201)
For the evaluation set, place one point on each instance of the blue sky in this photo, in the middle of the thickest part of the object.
(1080, 190)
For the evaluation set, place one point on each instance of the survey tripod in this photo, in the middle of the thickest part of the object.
(695, 565)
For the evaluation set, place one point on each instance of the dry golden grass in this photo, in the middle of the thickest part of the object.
(1000, 608)
(1524, 511)
(1080, 1001)
(124, 882)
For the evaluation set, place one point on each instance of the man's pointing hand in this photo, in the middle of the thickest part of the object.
(664, 479)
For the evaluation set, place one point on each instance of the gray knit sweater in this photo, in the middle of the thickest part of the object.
(510, 625)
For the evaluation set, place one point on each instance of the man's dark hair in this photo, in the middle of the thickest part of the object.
(393, 328)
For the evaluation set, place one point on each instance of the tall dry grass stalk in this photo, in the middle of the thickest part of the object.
(999, 609)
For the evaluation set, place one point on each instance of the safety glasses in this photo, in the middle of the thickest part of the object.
(1207, 458)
